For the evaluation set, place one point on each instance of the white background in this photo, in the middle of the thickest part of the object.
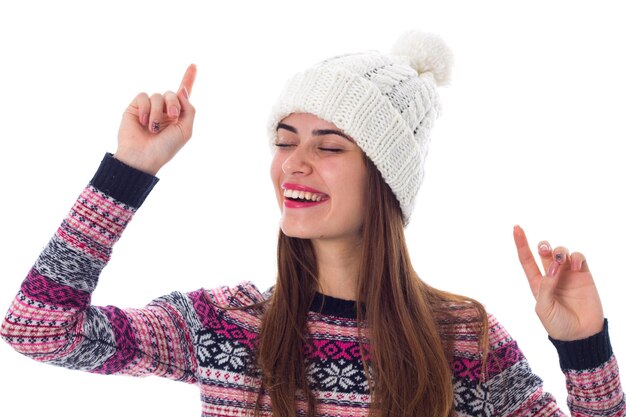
(532, 133)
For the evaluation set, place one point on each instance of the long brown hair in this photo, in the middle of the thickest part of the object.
(410, 360)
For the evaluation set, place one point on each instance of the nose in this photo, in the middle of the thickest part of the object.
(298, 162)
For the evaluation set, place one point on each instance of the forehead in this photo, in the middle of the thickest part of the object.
(305, 120)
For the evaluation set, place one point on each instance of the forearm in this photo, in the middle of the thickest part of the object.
(51, 318)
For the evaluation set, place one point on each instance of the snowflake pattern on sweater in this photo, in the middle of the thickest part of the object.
(188, 337)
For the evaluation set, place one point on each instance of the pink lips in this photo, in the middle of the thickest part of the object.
(300, 187)
(301, 204)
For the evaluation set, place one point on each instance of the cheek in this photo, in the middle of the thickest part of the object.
(276, 169)
(352, 186)
(276, 172)
(354, 178)
(361, 187)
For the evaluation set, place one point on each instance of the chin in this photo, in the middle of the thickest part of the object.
(299, 232)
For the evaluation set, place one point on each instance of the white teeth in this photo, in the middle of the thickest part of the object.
(303, 195)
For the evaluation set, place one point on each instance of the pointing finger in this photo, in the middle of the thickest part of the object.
(527, 260)
(188, 79)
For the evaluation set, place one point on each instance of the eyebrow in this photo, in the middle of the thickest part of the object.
(316, 132)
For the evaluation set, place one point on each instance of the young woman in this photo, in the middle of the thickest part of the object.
(349, 329)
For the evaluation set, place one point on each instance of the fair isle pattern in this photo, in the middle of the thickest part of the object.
(336, 372)
(594, 394)
(190, 338)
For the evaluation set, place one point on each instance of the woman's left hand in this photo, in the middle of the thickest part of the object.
(568, 303)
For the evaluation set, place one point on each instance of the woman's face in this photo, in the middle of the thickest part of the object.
(319, 176)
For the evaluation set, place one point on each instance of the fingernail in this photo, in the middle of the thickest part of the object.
(554, 266)
(544, 247)
(559, 257)
(155, 126)
(143, 119)
(186, 93)
(173, 111)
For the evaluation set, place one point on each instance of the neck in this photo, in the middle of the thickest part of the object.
(338, 265)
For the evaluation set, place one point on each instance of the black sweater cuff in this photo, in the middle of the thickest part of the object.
(122, 182)
(587, 353)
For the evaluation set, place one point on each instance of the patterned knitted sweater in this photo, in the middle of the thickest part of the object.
(188, 337)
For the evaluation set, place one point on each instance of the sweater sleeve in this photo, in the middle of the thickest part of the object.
(591, 373)
(51, 319)
(591, 376)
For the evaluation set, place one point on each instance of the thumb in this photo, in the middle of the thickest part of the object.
(183, 97)
(548, 285)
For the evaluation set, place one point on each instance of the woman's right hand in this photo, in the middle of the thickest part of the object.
(154, 128)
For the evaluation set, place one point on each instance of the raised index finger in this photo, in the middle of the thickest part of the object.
(189, 78)
(527, 260)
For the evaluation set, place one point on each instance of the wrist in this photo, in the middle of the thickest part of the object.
(585, 353)
(125, 183)
(137, 161)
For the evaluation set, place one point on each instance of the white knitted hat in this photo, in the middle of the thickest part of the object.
(386, 103)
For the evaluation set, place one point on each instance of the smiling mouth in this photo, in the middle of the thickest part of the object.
(303, 196)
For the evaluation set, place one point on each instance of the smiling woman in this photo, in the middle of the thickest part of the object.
(313, 155)
(348, 329)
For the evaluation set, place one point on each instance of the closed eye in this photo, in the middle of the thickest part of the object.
(331, 150)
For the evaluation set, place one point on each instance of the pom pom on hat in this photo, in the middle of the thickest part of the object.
(427, 52)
